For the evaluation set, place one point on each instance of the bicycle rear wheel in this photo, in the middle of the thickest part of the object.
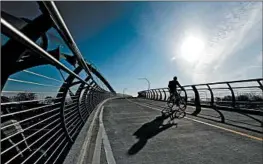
(179, 114)
(170, 102)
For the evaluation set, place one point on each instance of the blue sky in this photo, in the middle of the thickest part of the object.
(197, 41)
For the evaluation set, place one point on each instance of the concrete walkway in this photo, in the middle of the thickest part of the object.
(131, 131)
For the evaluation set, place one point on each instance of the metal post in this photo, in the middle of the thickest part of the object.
(161, 97)
(154, 95)
(197, 102)
(212, 95)
(233, 95)
(77, 101)
(165, 97)
(124, 89)
(62, 114)
(85, 95)
(149, 94)
(157, 95)
(149, 84)
(260, 85)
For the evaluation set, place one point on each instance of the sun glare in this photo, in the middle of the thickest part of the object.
(191, 48)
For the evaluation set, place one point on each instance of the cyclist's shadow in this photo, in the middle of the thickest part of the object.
(147, 131)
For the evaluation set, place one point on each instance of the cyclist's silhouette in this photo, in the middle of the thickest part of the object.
(173, 88)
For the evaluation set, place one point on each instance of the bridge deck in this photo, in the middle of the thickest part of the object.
(191, 140)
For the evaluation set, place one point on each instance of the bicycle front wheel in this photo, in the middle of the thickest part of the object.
(179, 114)
(182, 104)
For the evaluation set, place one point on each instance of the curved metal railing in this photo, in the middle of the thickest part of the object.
(244, 96)
(46, 95)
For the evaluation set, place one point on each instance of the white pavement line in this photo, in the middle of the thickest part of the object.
(144, 105)
(89, 133)
(97, 151)
(87, 139)
(133, 102)
(218, 127)
(106, 142)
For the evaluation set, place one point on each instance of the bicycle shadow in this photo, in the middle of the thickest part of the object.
(147, 131)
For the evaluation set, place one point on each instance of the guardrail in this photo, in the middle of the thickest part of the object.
(45, 98)
(243, 96)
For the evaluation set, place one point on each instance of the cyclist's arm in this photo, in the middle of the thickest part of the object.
(180, 85)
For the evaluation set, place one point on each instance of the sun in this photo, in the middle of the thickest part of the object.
(191, 48)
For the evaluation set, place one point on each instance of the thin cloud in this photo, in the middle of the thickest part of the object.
(229, 39)
(241, 28)
(228, 32)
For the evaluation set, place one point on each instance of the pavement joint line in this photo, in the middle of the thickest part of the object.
(89, 133)
(106, 142)
(219, 127)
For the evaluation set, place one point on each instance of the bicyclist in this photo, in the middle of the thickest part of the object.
(173, 88)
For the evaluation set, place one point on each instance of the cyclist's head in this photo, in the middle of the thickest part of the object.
(175, 78)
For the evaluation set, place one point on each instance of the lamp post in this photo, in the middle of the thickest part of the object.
(123, 91)
(149, 84)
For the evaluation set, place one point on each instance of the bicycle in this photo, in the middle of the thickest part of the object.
(179, 112)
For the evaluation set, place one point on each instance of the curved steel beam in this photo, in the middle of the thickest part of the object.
(152, 94)
(64, 89)
(61, 27)
(197, 101)
(213, 106)
(78, 93)
(185, 93)
(161, 96)
(155, 95)
(85, 100)
(94, 71)
(233, 95)
(211, 94)
(165, 97)
(33, 30)
(260, 84)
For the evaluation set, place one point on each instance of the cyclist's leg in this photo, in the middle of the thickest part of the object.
(176, 98)
(170, 100)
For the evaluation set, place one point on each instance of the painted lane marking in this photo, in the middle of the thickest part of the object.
(97, 151)
(106, 142)
(89, 133)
